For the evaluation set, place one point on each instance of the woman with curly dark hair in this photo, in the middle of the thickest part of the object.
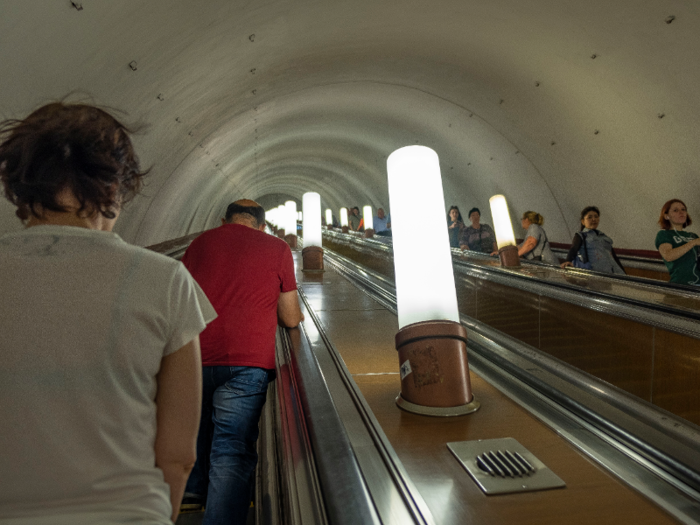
(100, 381)
(678, 248)
(455, 223)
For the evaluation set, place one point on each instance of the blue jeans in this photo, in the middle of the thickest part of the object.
(224, 474)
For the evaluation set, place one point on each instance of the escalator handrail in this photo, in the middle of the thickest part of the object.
(346, 497)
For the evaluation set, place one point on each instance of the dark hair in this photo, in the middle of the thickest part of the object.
(474, 210)
(533, 217)
(459, 215)
(73, 147)
(585, 211)
(256, 212)
(664, 222)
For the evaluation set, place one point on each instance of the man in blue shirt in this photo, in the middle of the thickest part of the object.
(381, 222)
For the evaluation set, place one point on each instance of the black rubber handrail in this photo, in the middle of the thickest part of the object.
(345, 493)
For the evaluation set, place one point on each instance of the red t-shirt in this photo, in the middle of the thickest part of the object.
(242, 271)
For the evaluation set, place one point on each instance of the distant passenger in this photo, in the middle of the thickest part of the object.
(591, 249)
(382, 222)
(678, 248)
(354, 218)
(455, 223)
(535, 247)
(478, 237)
(249, 278)
(100, 379)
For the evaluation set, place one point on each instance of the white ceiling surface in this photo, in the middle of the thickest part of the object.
(505, 91)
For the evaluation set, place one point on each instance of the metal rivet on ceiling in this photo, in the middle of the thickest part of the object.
(191, 133)
(132, 65)
(449, 125)
(160, 96)
(254, 91)
(177, 119)
(517, 151)
(252, 37)
(252, 71)
(490, 158)
(469, 163)
(537, 84)
(501, 101)
(596, 132)
(471, 115)
(594, 56)
(553, 143)
(670, 19)
(77, 5)
(661, 115)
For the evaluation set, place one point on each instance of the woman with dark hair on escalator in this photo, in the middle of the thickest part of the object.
(454, 225)
(678, 248)
(591, 249)
(101, 377)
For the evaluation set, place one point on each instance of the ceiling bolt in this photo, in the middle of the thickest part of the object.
(132, 65)
(661, 115)
(77, 5)
(252, 37)
(537, 84)
(594, 56)
(501, 101)
(254, 91)
(553, 143)
(596, 132)
(160, 96)
(177, 119)
(670, 19)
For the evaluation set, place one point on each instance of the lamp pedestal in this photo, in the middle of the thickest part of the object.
(369, 233)
(313, 258)
(509, 256)
(434, 369)
(345, 229)
(291, 239)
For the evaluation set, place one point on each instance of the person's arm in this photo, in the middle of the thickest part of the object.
(671, 254)
(288, 312)
(573, 251)
(527, 246)
(178, 406)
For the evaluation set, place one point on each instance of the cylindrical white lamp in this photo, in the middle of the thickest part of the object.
(329, 218)
(344, 220)
(431, 342)
(312, 253)
(369, 221)
(505, 239)
(290, 223)
(300, 216)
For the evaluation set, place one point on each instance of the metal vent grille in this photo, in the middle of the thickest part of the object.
(504, 464)
(511, 468)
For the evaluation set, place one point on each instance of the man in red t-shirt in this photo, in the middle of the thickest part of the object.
(248, 277)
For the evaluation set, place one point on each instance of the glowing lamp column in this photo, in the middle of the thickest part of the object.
(344, 220)
(505, 239)
(431, 342)
(290, 208)
(312, 253)
(369, 221)
(279, 214)
(329, 219)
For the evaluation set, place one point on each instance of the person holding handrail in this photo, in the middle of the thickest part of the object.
(678, 248)
(591, 249)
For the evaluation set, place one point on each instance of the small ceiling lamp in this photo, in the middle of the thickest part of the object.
(344, 220)
(369, 221)
(505, 239)
(312, 253)
(431, 342)
(300, 216)
(329, 219)
(290, 223)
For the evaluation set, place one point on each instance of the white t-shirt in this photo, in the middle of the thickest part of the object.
(85, 320)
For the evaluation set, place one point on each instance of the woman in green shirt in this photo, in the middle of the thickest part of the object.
(678, 248)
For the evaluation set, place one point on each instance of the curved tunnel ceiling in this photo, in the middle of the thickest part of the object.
(557, 105)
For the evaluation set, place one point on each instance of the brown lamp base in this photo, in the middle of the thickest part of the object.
(280, 233)
(369, 233)
(434, 369)
(291, 240)
(509, 256)
(345, 229)
(313, 258)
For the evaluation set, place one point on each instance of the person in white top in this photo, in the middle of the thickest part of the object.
(100, 379)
